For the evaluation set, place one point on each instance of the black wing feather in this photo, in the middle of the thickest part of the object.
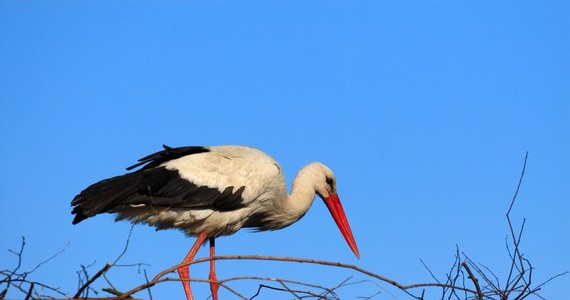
(154, 186)
(169, 153)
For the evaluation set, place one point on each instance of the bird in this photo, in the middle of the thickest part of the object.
(209, 192)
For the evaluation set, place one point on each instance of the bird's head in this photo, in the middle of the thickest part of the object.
(325, 188)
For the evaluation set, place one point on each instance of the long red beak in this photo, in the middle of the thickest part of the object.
(337, 212)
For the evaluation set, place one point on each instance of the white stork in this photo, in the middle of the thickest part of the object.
(210, 192)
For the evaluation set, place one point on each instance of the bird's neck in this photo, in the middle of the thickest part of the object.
(287, 210)
(302, 194)
(300, 200)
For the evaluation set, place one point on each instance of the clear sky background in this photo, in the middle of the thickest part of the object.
(423, 109)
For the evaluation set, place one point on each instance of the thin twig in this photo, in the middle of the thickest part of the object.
(126, 245)
(50, 258)
(552, 278)
(456, 266)
(146, 278)
(288, 289)
(92, 279)
(518, 185)
(474, 280)
(17, 280)
(512, 285)
(429, 271)
(19, 255)
(341, 284)
(327, 290)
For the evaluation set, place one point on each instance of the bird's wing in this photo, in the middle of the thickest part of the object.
(165, 155)
(225, 166)
(186, 177)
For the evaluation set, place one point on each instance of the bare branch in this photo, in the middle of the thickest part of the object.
(18, 280)
(474, 280)
(30, 290)
(50, 258)
(430, 272)
(126, 246)
(402, 287)
(146, 278)
(90, 281)
(282, 281)
(516, 255)
(518, 185)
(19, 255)
(552, 278)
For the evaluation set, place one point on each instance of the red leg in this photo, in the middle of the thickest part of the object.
(184, 272)
(213, 280)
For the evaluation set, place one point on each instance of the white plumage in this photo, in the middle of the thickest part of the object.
(210, 192)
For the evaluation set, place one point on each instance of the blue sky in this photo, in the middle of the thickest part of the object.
(423, 109)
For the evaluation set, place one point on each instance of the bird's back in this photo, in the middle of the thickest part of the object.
(214, 189)
(226, 166)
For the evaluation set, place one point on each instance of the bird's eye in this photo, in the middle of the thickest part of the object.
(329, 181)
